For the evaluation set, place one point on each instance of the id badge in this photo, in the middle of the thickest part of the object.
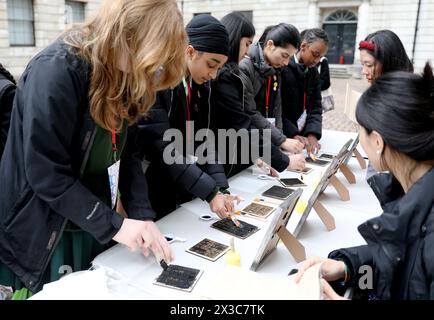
(301, 122)
(191, 159)
(272, 121)
(113, 173)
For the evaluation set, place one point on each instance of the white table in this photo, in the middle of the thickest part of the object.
(138, 272)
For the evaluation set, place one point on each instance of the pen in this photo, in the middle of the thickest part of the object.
(235, 221)
(161, 261)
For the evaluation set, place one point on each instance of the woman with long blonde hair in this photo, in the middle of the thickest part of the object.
(68, 160)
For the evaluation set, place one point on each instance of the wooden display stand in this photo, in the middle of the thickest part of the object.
(295, 248)
(348, 174)
(360, 159)
(343, 192)
(324, 215)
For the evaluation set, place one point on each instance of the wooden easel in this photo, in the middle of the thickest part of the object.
(324, 215)
(348, 174)
(343, 192)
(359, 158)
(295, 248)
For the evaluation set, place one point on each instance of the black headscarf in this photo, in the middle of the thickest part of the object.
(207, 34)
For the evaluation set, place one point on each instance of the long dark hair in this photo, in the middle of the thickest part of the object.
(400, 107)
(389, 51)
(7, 74)
(238, 27)
(282, 35)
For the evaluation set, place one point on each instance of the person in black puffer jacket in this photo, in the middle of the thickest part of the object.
(397, 132)
(186, 109)
(228, 110)
(260, 73)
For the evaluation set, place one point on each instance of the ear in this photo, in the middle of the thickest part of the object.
(378, 142)
(270, 44)
(303, 45)
(190, 51)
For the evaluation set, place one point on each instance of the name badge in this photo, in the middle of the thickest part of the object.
(113, 173)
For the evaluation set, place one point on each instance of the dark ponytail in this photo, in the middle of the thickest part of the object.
(7, 74)
(400, 106)
(282, 35)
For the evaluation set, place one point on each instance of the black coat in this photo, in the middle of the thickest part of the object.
(179, 182)
(400, 242)
(254, 74)
(7, 94)
(295, 83)
(228, 112)
(45, 157)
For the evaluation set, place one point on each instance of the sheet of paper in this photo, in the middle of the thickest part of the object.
(236, 283)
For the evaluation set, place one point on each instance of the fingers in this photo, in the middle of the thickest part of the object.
(304, 266)
(161, 249)
(328, 293)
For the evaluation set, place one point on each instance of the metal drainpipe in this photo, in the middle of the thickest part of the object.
(416, 28)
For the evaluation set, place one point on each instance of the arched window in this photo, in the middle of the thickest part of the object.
(341, 16)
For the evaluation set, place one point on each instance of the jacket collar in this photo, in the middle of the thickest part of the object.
(256, 54)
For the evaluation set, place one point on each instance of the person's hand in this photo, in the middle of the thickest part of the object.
(221, 205)
(330, 269)
(160, 247)
(274, 173)
(233, 198)
(302, 139)
(327, 292)
(297, 162)
(292, 145)
(143, 234)
(313, 145)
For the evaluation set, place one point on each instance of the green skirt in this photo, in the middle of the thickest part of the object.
(74, 252)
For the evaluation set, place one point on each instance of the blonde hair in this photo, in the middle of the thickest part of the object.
(149, 36)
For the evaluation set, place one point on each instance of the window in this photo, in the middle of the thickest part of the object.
(74, 12)
(247, 14)
(199, 13)
(21, 22)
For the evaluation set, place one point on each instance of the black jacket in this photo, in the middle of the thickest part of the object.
(295, 83)
(228, 111)
(400, 242)
(178, 182)
(7, 94)
(49, 143)
(254, 73)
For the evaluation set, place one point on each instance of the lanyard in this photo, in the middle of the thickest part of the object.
(267, 96)
(188, 94)
(304, 101)
(114, 146)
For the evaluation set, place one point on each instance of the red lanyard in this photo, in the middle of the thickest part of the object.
(267, 96)
(304, 101)
(114, 146)
(188, 99)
